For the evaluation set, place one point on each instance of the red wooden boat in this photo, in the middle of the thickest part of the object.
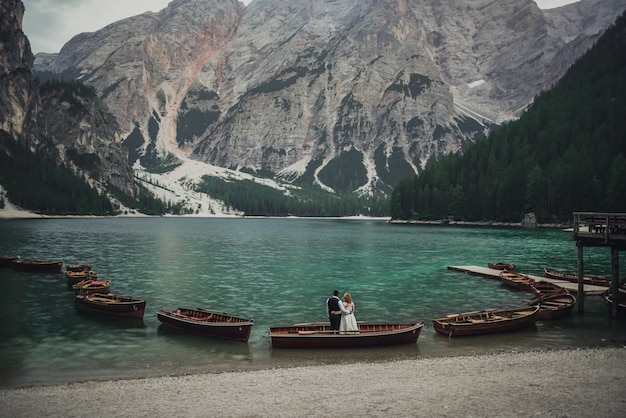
(486, 322)
(207, 323)
(554, 306)
(573, 277)
(44, 266)
(516, 280)
(543, 288)
(111, 304)
(319, 335)
(501, 266)
(87, 287)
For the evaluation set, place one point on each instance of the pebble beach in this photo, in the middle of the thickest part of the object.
(586, 382)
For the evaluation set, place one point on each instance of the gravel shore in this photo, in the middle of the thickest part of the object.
(560, 383)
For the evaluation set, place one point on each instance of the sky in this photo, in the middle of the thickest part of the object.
(50, 24)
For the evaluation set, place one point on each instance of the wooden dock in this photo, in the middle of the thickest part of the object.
(495, 274)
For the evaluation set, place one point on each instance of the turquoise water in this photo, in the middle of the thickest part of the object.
(277, 271)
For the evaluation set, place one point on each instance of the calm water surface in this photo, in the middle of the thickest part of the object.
(277, 271)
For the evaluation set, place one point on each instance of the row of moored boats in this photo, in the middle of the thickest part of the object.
(93, 296)
(523, 282)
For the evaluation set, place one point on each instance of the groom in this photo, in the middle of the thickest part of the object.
(334, 310)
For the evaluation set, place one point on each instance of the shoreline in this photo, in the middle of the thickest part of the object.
(563, 382)
(11, 212)
(477, 223)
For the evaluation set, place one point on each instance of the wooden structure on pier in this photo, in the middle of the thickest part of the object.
(592, 229)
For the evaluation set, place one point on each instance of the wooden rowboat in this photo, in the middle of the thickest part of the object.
(554, 306)
(87, 287)
(74, 277)
(111, 304)
(501, 266)
(573, 277)
(319, 335)
(516, 280)
(207, 323)
(486, 322)
(543, 288)
(78, 267)
(43, 266)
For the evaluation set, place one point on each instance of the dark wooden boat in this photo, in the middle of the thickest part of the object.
(573, 277)
(44, 266)
(554, 306)
(87, 287)
(74, 277)
(516, 280)
(501, 266)
(7, 260)
(78, 267)
(111, 304)
(609, 300)
(486, 322)
(319, 335)
(207, 323)
(543, 288)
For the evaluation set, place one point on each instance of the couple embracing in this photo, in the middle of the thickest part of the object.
(341, 313)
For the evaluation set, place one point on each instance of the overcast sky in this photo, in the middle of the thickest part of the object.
(49, 24)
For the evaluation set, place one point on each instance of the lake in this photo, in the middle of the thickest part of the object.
(278, 272)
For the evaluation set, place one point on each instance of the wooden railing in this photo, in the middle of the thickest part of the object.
(602, 227)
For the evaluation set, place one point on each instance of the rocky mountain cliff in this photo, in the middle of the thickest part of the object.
(69, 125)
(349, 95)
(18, 101)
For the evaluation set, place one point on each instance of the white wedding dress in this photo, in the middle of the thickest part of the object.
(348, 322)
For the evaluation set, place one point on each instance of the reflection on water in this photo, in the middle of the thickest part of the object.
(276, 271)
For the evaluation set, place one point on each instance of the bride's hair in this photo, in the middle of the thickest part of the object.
(347, 297)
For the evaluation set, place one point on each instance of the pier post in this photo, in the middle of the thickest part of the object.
(615, 280)
(581, 289)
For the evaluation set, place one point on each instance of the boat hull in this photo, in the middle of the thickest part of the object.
(78, 267)
(74, 277)
(501, 266)
(320, 336)
(7, 261)
(38, 266)
(228, 327)
(88, 287)
(571, 277)
(486, 322)
(554, 306)
(112, 305)
(542, 288)
(517, 281)
(609, 300)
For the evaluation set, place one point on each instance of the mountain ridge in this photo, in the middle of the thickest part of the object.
(349, 96)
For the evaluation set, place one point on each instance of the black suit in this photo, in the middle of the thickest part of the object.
(333, 305)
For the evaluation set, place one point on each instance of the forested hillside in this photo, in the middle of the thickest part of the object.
(34, 182)
(565, 154)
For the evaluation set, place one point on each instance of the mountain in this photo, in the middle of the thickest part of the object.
(348, 96)
(56, 139)
(565, 154)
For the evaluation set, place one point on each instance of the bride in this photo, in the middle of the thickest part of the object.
(348, 321)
